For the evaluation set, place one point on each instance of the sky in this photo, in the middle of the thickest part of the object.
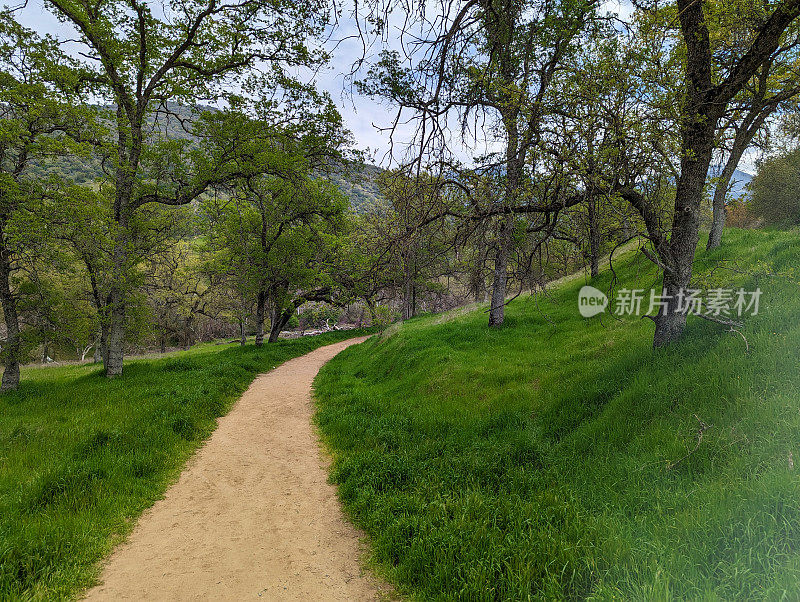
(362, 115)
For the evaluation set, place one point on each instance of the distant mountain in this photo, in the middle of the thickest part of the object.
(739, 187)
(357, 181)
(739, 184)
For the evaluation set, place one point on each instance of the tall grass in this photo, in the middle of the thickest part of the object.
(81, 456)
(560, 457)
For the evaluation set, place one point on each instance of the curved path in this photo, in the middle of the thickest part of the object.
(252, 516)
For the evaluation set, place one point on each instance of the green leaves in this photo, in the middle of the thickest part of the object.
(775, 190)
(190, 50)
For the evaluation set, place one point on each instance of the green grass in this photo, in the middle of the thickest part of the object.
(536, 461)
(81, 456)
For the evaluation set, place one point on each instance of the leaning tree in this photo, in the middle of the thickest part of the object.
(771, 90)
(709, 89)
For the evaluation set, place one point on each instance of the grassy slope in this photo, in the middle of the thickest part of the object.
(534, 460)
(81, 456)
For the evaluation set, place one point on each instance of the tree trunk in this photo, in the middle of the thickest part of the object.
(697, 149)
(10, 380)
(279, 321)
(407, 301)
(242, 334)
(700, 118)
(594, 237)
(116, 335)
(497, 308)
(370, 305)
(514, 170)
(406, 311)
(261, 306)
(744, 136)
(720, 194)
(129, 148)
(114, 352)
(188, 339)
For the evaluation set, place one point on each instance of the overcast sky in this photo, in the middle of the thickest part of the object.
(363, 116)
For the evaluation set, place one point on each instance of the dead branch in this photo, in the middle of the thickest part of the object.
(703, 427)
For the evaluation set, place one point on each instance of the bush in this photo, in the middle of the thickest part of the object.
(739, 215)
(776, 190)
(384, 316)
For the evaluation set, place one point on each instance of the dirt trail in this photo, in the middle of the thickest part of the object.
(252, 516)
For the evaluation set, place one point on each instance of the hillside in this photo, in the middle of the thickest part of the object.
(357, 181)
(561, 457)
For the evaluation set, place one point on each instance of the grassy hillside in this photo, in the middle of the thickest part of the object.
(81, 456)
(560, 457)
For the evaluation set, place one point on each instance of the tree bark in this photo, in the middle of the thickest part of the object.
(261, 306)
(279, 321)
(114, 355)
(697, 148)
(744, 136)
(129, 148)
(701, 115)
(114, 352)
(514, 171)
(407, 302)
(594, 237)
(188, 338)
(10, 381)
(718, 206)
(497, 308)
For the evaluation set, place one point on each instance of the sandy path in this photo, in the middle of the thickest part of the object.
(252, 515)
